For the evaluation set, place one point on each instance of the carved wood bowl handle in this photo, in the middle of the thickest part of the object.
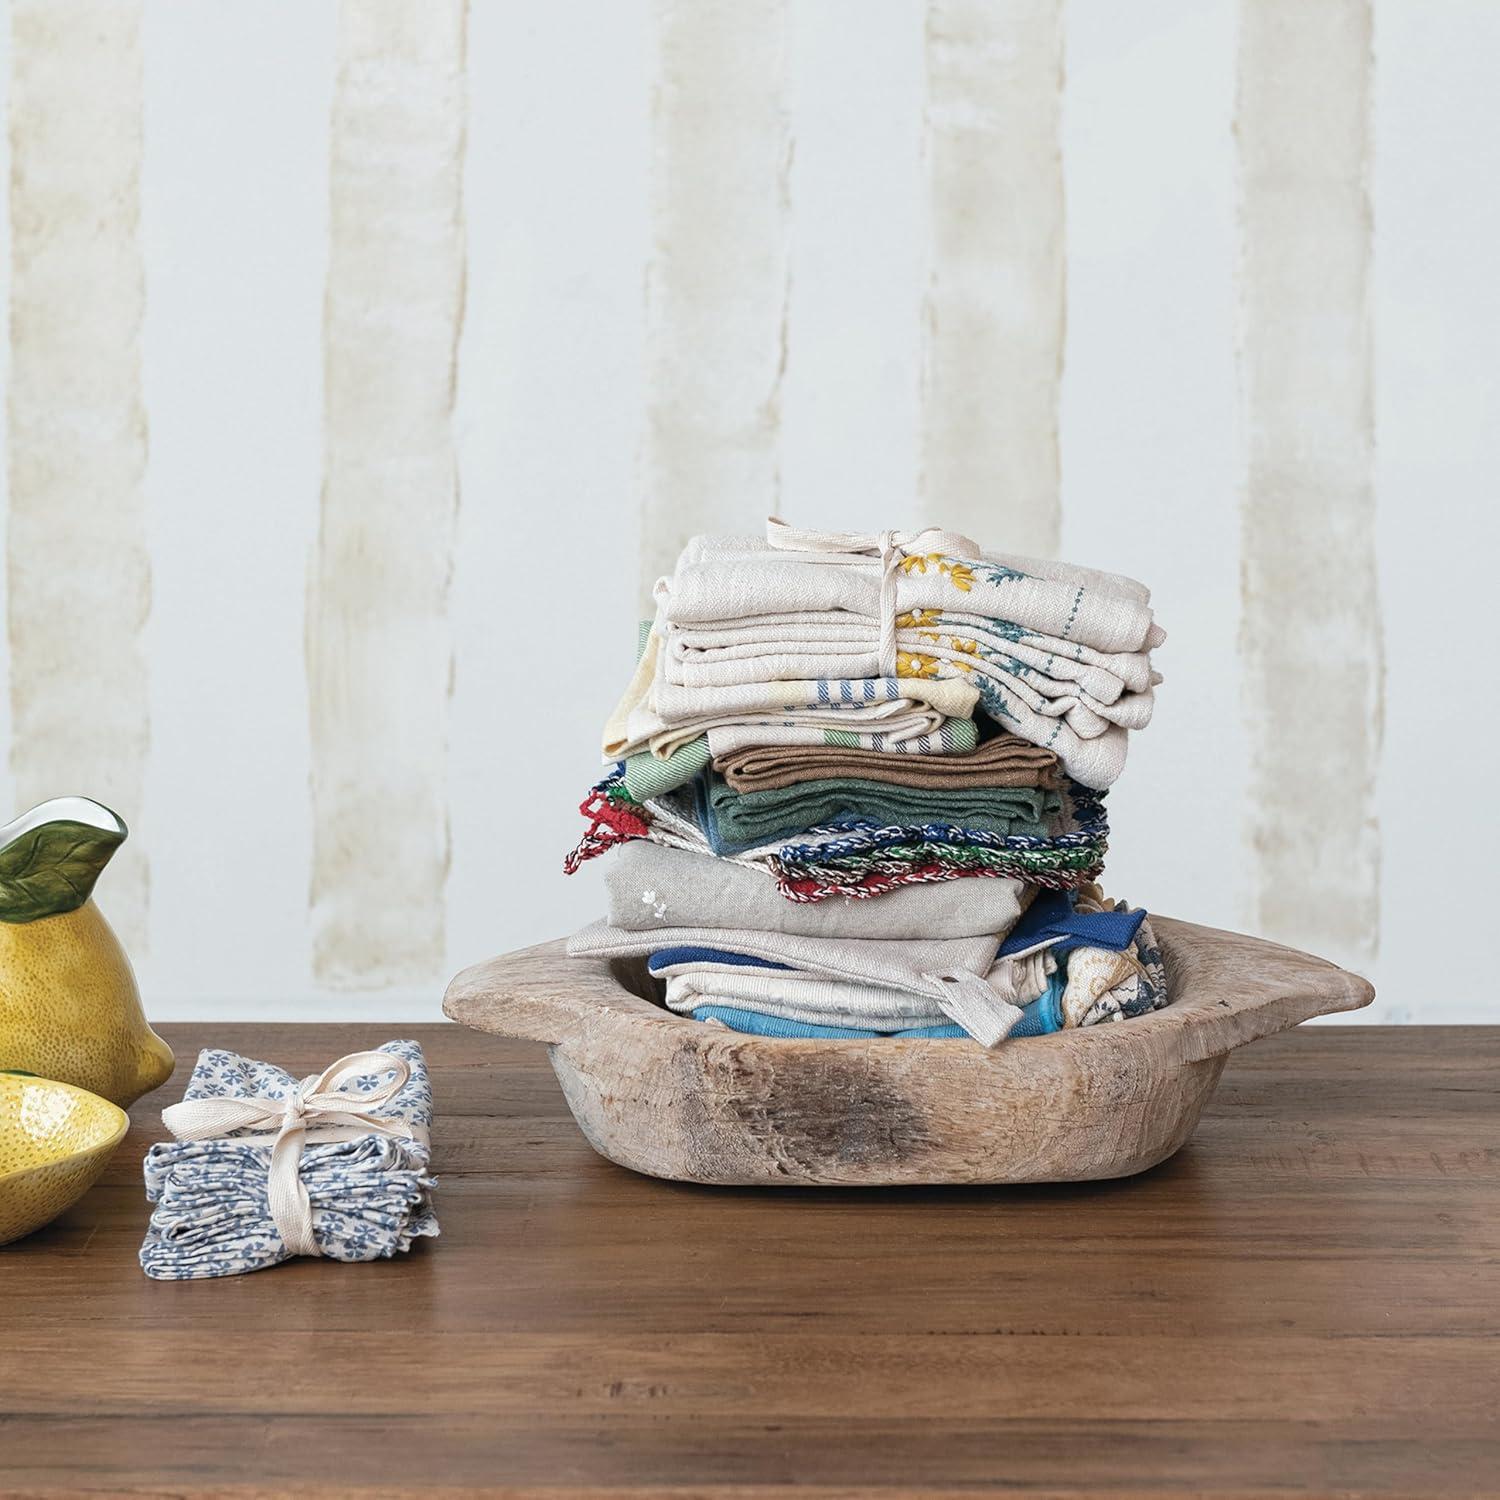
(539, 994)
(1227, 990)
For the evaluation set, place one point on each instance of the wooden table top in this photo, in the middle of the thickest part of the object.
(1306, 1299)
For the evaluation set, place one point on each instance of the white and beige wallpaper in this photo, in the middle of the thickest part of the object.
(365, 361)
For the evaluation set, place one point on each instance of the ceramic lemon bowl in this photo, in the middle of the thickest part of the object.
(55, 1142)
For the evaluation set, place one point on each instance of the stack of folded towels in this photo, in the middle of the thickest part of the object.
(821, 719)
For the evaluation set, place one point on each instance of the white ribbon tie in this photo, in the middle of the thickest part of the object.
(315, 1110)
(889, 547)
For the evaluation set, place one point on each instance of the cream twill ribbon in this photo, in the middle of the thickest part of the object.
(316, 1110)
(889, 547)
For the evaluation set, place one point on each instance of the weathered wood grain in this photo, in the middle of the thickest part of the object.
(1304, 1300)
(664, 1095)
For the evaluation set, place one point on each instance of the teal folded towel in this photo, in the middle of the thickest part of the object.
(1043, 1015)
(736, 821)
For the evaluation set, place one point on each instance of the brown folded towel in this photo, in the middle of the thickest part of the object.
(1005, 761)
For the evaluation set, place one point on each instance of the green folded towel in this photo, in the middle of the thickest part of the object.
(736, 821)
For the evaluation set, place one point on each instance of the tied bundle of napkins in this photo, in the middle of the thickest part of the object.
(858, 787)
(266, 1166)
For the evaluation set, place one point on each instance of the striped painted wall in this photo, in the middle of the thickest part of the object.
(365, 362)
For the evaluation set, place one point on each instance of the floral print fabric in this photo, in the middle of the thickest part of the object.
(1060, 656)
(370, 1195)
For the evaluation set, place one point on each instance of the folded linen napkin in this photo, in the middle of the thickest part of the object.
(961, 976)
(650, 885)
(1089, 986)
(651, 775)
(836, 643)
(807, 998)
(367, 1186)
(1060, 921)
(861, 862)
(1006, 760)
(647, 775)
(907, 964)
(756, 1023)
(885, 859)
(934, 644)
(1038, 1017)
(801, 721)
(951, 736)
(987, 1009)
(869, 861)
(1059, 655)
(727, 578)
(657, 715)
(734, 822)
(1107, 985)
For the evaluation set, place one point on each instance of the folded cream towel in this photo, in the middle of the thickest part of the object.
(1058, 654)
(661, 716)
(651, 887)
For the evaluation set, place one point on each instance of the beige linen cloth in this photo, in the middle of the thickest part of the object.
(1060, 654)
(987, 1009)
(652, 886)
(950, 737)
(835, 643)
(721, 579)
(874, 983)
(661, 716)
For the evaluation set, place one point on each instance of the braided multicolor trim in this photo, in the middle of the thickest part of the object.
(1092, 834)
(867, 862)
(907, 866)
(615, 817)
(860, 863)
(806, 890)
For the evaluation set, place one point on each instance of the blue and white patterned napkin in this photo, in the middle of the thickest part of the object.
(370, 1195)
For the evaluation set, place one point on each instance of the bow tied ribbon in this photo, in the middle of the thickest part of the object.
(890, 548)
(319, 1108)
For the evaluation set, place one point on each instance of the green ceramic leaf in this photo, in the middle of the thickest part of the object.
(52, 869)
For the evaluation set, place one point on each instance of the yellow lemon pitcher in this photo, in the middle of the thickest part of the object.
(69, 1007)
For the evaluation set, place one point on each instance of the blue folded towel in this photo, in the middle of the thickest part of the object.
(755, 1023)
(1043, 1015)
(1051, 915)
(691, 953)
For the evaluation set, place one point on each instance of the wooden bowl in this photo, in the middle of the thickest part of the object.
(55, 1141)
(666, 1095)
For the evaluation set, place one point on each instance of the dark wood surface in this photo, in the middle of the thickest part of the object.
(1305, 1300)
